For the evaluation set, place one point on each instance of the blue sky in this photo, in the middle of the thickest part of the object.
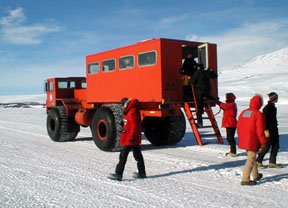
(50, 38)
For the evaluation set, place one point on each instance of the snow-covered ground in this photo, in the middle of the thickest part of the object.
(36, 172)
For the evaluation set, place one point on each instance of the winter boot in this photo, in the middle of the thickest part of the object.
(260, 165)
(199, 125)
(248, 183)
(230, 154)
(115, 176)
(260, 175)
(137, 175)
(274, 165)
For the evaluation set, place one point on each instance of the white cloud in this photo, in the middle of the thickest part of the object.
(15, 17)
(14, 31)
(247, 41)
(169, 21)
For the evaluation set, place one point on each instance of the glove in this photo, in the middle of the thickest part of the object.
(217, 102)
(263, 147)
(267, 133)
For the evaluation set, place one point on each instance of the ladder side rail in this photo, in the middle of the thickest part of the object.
(192, 123)
(213, 121)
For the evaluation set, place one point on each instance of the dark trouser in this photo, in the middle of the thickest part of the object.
(187, 93)
(200, 104)
(274, 142)
(123, 159)
(230, 132)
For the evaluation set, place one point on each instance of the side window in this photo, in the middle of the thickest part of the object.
(108, 65)
(126, 62)
(147, 58)
(72, 84)
(93, 68)
(83, 84)
(50, 87)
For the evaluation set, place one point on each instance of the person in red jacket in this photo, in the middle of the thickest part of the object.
(229, 121)
(250, 129)
(130, 139)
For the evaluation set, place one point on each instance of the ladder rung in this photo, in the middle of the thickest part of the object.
(207, 135)
(206, 127)
(211, 142)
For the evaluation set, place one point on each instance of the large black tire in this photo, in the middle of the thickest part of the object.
(106, 127)
(164, 131)
(118, 117)
(61, 128)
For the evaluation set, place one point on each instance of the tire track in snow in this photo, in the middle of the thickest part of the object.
(22, 132)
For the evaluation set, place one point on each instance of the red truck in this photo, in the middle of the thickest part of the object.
(148, 71)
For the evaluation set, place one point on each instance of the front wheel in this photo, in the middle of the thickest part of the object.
(60, 127)
(103, 129)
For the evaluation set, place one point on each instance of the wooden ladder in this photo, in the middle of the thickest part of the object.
(191, 117)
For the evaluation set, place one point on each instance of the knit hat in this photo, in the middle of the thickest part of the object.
(123, 101)
(230, 96)
(273, 97)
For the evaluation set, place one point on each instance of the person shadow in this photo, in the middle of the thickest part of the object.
(215, 167)
(274, 178)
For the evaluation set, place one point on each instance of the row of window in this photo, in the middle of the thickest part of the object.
(124, 62)
(65, 84)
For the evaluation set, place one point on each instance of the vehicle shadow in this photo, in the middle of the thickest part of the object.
(188, 140)
(82, 139)
(283, 139)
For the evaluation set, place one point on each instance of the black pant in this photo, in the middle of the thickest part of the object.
(230, 132)
(274, 142)
(200, 104)
(123, 159)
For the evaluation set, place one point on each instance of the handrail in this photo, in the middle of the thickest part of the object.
(195, 100)
(218, 112)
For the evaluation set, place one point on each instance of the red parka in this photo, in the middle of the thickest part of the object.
(251, 124)
(229, 115)
(131, 134)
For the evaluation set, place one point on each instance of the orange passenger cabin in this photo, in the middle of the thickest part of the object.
(147, 70)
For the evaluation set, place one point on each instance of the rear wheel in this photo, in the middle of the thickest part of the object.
(60, 127)
(164, 131)
(106, 127)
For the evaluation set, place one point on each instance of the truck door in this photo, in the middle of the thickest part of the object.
(50, 91)
(203, 55)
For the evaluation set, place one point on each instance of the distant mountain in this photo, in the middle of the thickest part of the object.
(23, 101)
(262, 74)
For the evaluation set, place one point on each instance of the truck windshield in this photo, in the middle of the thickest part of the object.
(66, 84)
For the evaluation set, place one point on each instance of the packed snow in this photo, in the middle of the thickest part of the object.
(37, 172)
